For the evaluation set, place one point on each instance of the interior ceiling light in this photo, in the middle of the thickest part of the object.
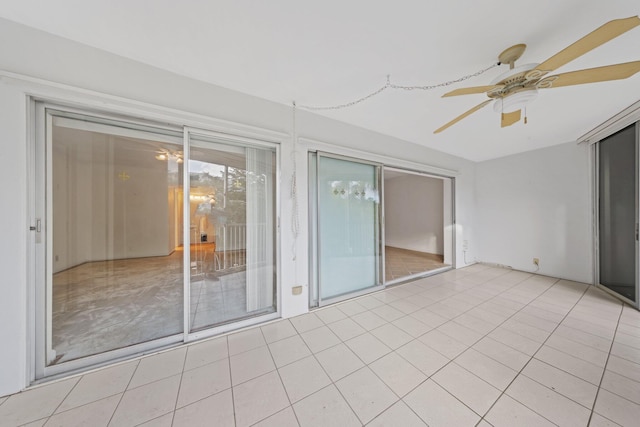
(515, 89)
(166, 155)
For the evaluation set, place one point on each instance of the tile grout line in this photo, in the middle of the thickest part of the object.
(233, 397)
(577, 357)
(267, 373)
(585, 332)
(534, 354)
(366, 365)
(63, 399)
(451, 360)
(333, 383)
(124, 392)
(175, 405)
(604, 369)
(343, 396)
(468, 347)
(277, 370)
(435, 302)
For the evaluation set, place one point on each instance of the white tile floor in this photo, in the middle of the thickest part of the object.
(474, 347)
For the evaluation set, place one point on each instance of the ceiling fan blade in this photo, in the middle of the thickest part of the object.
(510, 118)
(591, 75)
(462, 116)
(472, 90)
(601, 35)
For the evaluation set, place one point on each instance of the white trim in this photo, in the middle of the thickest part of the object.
(186, 236)
(71, 367)
(383, 243)
(594, 190)
(383, 160)
(349, 295)
(422, 275)
(414, 172)
(70, 96)
(47, 221)
(618, 122)
(234, 139)
(66, 122)
(70, 100)
(234, 326)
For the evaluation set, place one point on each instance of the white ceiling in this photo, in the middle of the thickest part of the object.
(335, 51)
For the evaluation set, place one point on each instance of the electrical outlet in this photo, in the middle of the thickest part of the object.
(465, 245)
(536, 262)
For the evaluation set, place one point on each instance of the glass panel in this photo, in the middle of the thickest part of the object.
(116, 265)
(232, 223)
(348, 226)
(618, 212)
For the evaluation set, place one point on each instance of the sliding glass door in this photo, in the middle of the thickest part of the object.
(618, 213)
(114, 265)
(348, 227)
(231, 231)
(148, 235)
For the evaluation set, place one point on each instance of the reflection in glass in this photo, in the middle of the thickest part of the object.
(232, 221)
(617, 210)
(116, 274)
(348, 226)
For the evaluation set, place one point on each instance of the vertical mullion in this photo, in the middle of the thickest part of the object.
(41, 311)
(637, 216)
(186, 236)
(318, 233)
(596, 212)
(50, 354)
(381, 228)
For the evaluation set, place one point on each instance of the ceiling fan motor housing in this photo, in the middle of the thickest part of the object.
(516, 91)
(515, 101)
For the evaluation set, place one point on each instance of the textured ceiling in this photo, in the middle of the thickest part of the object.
(335, 51)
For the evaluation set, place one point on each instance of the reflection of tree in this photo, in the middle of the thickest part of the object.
(206, 182)
(229, 206)
(236, 206)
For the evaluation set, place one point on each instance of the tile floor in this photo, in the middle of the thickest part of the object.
(479, 346)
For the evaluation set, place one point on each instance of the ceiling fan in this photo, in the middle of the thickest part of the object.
(516, 88)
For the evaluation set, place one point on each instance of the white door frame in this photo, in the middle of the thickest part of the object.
(40, 289)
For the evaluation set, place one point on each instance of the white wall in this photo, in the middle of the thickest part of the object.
(537, 204)
(156, 93)
(413, 213)
(98, 216)
(15, 236)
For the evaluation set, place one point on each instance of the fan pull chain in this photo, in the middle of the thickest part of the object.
(525, 115)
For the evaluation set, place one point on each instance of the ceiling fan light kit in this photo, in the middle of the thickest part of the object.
(518, 87)
(516, 101)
